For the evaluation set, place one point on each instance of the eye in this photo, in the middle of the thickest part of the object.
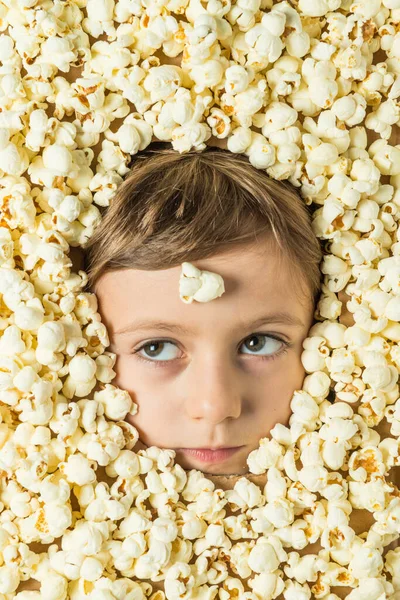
(262, 345)
(156, 348)
(259, 342)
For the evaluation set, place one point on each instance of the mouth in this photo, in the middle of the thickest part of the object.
(210, 455)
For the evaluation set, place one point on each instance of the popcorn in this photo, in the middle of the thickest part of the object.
(9, 579)
(117, 403)
(104, 186)
(100, 17)
(261, 154)
(78, 469)
(38, 124)
(29, 316)
(58, 159)
(195, 284)
(162, 82)
(298, 43)
(278, 116)
(58, 52)
(266, 555)
(366, 563)
(318, 8)
(387, 159)
(292, 96)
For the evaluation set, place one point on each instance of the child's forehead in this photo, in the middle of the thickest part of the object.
(254, 285)
(247, 269)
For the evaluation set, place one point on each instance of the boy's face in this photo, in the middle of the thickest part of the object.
(222, 381)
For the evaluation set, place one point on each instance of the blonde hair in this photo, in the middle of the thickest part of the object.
(175, 207)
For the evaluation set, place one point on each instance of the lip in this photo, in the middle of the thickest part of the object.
(210, 455)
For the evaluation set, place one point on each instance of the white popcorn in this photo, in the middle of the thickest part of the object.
(104, 186)
(117, 403)
(298, 43)
(261, 154)
(195, 284)
(9, 579)
(29, 316)
(324, 154)
(78, 470)
(14, 160)
(387, 159)
(128, 138)
(266, 456)
(308, 106)
(240, 139)
(367, 562)
(58, 159)
(162, 81)
(266, 555)
(51, 339)
(91, 569)
(278, 116)
(57, 51)
(38, 123)
(318, 8)
(237, 79)
(81, 379)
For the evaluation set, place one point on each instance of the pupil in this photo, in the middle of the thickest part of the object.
(154, 345)
(254, 337)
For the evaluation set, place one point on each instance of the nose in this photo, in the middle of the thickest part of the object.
(213, 391)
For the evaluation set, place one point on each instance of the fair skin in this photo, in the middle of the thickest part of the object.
(220, 384)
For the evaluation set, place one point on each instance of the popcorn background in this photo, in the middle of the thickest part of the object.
(309, 91)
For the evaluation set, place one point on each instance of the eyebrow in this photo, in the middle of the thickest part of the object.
(281, 317)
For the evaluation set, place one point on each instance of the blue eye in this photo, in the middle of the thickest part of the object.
(257, 343)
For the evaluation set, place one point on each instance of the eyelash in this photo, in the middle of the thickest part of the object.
(162, 363)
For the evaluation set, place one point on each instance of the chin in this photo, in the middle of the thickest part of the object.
(215, 469)
(225, 472)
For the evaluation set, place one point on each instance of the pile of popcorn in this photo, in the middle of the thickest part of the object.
(80, 74)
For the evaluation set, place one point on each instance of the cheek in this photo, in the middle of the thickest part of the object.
(275, 395)
(279, 382)
(296, 372)
(153, 418)
(125, 372)
(141, 382)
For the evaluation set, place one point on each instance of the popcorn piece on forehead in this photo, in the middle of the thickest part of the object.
(195, 284)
